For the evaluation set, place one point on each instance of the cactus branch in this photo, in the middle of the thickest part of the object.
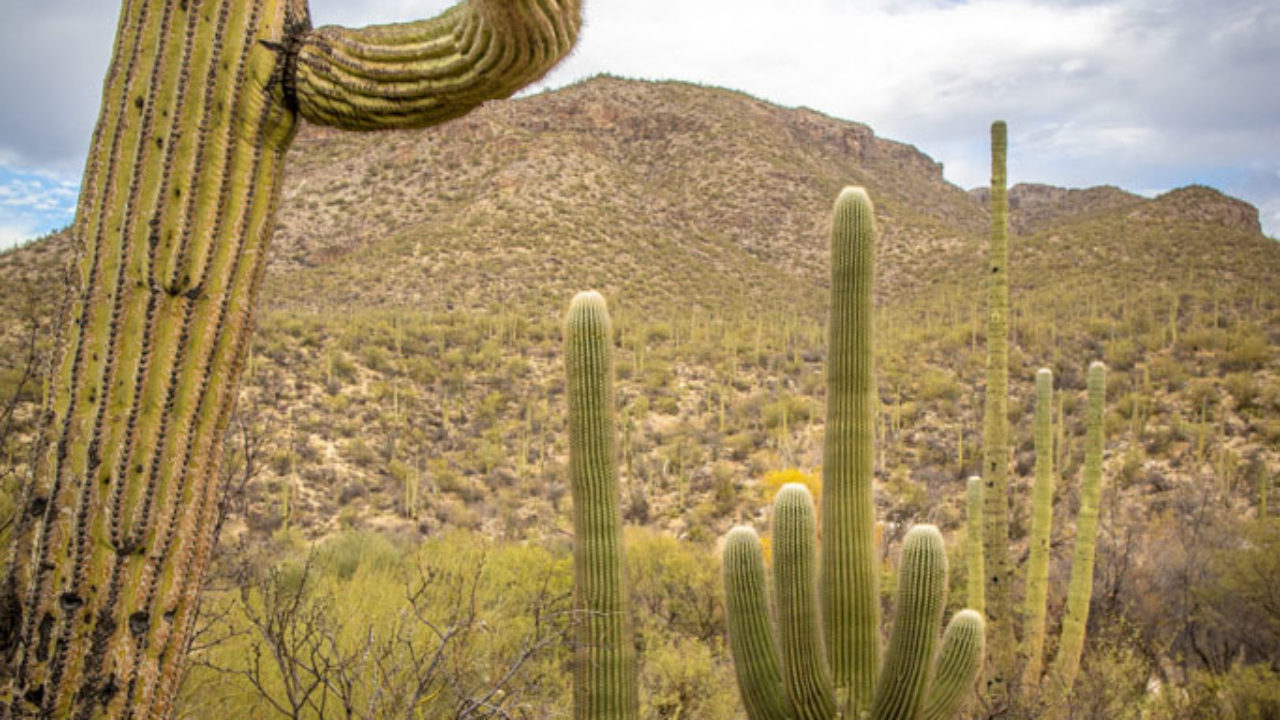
(1066, 664)
(751, 639)
(959, 663)
(1037, 598)
(922, 595)
(416, 74)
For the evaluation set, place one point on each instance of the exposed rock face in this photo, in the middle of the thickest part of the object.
(1197, 203)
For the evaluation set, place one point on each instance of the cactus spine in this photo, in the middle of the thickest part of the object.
(1036, 607)
(995, 463)
(199, 105)
(604, 659)
(799, 682)
(976, 581)
(849, 574)
(1080, 587)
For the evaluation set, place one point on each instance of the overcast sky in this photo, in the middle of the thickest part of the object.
(1145, 94)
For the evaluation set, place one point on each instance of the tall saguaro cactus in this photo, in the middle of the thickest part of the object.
(177, 206)
(604, 658)
(995, 462)
(849, 574)
(803, 680)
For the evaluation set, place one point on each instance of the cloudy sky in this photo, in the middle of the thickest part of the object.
(1145, 94)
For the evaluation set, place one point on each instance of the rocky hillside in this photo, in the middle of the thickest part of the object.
(409, 328)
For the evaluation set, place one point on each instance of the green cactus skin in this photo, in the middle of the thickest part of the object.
(959, 663)
(200, 102)
(922, 595)
(1035, 608)
(604, 659)
(995, 463)
(751, 638)
(1066, 664)
(805, 673)
(975, 585)
(849, 584)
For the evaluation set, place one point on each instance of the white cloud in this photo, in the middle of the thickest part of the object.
(1140, 93)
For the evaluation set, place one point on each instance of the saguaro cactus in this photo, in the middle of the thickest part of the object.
(177, 205)
(1066, 664)
(849, 574)
(799, 682)
(995, 462)
(975, 585)
(1037, 594)
(604, 658)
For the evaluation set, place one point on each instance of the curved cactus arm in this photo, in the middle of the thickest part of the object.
(805, 673)
(421, 73)
(959, 663)
(922, 592)
(850, 598)
(1080, 587)
(751, 637)
(604, 662)
(1036, 604)
(975, 583)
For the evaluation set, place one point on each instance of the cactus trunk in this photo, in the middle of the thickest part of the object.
(851, 605)
(177, 203)
(995, 463)
(604, 658)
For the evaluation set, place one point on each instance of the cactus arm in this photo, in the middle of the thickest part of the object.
(751, 637)
(1066, 663)
(958, 665)
(416, 74)
(604, 662)
(975, 584)
(995, 463)
(850, 599)
(805, 673)
(1037, 597)
(922, 592)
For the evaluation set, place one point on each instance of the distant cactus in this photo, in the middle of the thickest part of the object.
(797, 680)
(1036, 606)
(1080, 588)
(177, 206)
(976, 583)
(995, 451)
(604, 657)
(1028, 695)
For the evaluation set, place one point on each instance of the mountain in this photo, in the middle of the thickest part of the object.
(409, 321)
